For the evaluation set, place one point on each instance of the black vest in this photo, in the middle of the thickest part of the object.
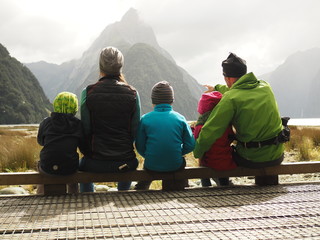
(111, 105)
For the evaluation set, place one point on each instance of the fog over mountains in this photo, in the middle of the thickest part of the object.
(145, 64)
(296, 84)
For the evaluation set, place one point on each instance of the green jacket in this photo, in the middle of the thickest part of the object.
(250, 106)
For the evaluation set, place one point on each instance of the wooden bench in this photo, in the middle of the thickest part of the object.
(57, 185)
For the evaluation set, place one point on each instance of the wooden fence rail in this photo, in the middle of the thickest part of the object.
(57, 184)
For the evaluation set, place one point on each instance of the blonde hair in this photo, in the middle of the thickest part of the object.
(111, 61)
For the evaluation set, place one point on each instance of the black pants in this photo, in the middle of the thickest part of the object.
(242, 162)
(205, 182)
(71, 187)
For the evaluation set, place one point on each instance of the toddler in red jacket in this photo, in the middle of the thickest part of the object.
(219, 156)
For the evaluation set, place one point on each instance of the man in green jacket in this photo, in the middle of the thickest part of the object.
(250, 106)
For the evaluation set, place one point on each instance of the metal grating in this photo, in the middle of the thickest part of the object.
(273, 212)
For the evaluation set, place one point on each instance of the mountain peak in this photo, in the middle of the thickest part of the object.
(3, 51)
(145, 64)
(131, 16)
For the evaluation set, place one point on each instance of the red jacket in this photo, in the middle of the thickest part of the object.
(219, 156)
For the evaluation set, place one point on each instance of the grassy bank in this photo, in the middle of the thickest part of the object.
(19, 150)
(305, 141)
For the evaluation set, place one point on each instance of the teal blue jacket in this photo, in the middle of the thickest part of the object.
(250, 106)
(163, 137)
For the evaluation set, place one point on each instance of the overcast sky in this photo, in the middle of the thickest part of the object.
(198, 34)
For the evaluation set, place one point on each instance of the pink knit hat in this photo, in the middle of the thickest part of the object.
(208, 101)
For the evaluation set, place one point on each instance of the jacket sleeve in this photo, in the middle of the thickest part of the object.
(84, 113)
(188, 139)
(217, 123)
(141, 139)
(83, 146)
(136, 118)
(221, 88)
(40, 136)
(196, 131)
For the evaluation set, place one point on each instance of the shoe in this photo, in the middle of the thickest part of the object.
(223, 182)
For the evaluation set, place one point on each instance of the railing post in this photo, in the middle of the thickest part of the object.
(267, 180)
(54, 189)
(175, 184)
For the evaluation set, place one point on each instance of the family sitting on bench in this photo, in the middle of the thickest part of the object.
(239, 125)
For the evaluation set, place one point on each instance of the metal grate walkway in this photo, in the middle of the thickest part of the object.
(273, 212)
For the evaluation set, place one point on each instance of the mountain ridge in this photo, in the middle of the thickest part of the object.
(296, 84)
(124, 35)
(22, 99)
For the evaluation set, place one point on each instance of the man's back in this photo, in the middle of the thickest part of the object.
(249, 105)
(256, 117)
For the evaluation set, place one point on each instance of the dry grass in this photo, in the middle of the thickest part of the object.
(19, 150)
(306, 142)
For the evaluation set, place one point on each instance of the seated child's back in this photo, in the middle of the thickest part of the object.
(60, 135)
(164, 135)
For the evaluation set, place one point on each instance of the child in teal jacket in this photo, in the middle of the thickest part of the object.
(164, 135)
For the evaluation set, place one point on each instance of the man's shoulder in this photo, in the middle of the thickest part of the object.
(263, 82)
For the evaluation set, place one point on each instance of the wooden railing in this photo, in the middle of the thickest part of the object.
(171, 181)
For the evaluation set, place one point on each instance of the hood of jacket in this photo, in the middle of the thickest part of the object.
(64, 122)
(247, 81)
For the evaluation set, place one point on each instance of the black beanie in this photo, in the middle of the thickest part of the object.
(162, 92)
(234, 66)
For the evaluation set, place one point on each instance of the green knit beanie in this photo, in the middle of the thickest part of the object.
(66, 102)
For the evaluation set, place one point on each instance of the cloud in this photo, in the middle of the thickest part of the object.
(54, 31)
(199, 34)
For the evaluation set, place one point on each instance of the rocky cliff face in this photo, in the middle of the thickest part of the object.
(146, 66)
(22, 100)
(296, 84)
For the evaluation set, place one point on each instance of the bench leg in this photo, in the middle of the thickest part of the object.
(73, 188)
(267, 180)
(54, 189)
(168, 185)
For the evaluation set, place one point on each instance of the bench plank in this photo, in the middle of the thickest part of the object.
(284, 168)
(20, 178)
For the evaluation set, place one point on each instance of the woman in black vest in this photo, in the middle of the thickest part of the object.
(110, 113)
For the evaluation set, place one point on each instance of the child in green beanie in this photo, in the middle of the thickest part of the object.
(60, 135)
